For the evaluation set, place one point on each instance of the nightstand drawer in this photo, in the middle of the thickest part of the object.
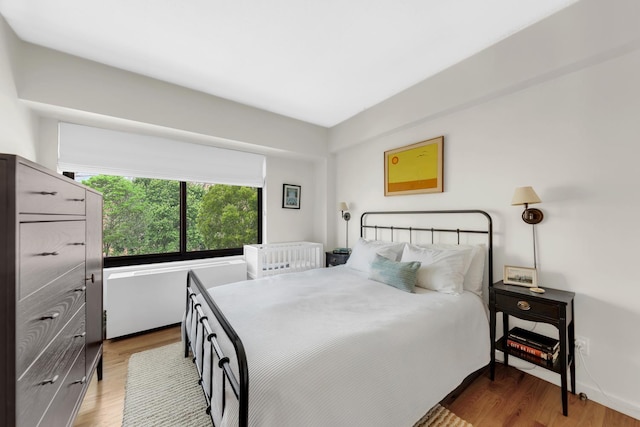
(526, 306)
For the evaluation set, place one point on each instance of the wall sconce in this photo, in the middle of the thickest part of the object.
(343, 207)
(527, 196)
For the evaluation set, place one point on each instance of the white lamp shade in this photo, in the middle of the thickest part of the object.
(525, 195)
(343, 206)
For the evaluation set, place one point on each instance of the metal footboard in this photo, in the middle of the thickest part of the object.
(196, 320)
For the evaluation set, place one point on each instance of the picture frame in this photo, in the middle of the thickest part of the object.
(291, 196)
(415, 168)
(521, 276)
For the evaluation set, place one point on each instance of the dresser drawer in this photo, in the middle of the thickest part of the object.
(43, 314)
(41, 193)
(49, 250)
(527, 307)
(37, 387)
(65, 401)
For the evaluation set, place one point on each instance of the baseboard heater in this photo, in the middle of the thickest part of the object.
(146, 298)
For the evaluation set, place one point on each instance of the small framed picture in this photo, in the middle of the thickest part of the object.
(522, 276)
(291, 196)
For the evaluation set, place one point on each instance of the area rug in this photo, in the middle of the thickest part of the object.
(439, 416)
(162, 390)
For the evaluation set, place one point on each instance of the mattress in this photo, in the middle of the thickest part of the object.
(329, 347)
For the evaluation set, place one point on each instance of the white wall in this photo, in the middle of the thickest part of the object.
(61, 87)
(306, 223)
(573, 135)
(48, 142)
(60, 84)
(18, 132)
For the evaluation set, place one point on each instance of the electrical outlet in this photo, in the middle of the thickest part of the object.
(582, 345)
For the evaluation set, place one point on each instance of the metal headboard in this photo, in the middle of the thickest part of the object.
(488, 230)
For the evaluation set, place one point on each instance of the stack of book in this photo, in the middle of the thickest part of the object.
(539, 346)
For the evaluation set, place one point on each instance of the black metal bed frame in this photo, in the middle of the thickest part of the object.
(488, 231)
(205, 335)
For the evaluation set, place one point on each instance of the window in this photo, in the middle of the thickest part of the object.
(148, 220)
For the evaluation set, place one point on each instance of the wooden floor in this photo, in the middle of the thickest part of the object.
(104, 401)
(515, 398)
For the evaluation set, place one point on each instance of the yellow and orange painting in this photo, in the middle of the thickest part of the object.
(416, 168)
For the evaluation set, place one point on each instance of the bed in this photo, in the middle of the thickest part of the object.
(340, 346)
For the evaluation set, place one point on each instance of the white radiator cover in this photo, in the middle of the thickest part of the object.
(151, 296)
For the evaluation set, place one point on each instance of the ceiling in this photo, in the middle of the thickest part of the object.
(320, 61)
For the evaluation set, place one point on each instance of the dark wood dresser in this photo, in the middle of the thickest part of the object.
(50, 294)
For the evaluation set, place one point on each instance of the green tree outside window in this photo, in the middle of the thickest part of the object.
(142, 215)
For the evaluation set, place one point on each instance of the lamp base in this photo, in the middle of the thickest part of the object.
(532, 216)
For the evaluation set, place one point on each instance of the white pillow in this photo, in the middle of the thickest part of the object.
(364, 252)
(475, 273)
(474, 262)
(442, 270)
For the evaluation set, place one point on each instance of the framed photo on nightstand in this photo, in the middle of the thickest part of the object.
(521, 276)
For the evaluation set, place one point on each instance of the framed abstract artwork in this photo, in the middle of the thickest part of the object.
(415, 168)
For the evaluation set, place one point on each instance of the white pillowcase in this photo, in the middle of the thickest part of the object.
(475, 260)
(442, 270)
(475, 273)
(364, 252)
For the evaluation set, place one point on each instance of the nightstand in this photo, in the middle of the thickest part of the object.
(554, 307)
(336, 259)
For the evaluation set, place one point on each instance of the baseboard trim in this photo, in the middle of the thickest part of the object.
(593, 392)
(616, 403)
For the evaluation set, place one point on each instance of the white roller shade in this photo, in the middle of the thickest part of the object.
(100, 151)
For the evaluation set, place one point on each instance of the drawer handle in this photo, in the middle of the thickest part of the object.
(48, 193)
(50, 316)
(54, 253)
(77, 244)
(77, 200)
(82, 381)
(82, 289)
(92, 278)
(80, 335)
(50, 380)
(523, 305)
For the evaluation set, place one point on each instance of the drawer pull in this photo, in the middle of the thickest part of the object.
(50, 380)
(80, 335)
(54, 253)
(77, 200)
(523, 305)
(48, 193)
(81, 381)
(92, 278)
(50, 316)
(77, 244)
(82, 289)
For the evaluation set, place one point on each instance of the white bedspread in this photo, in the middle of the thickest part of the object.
(328, 347)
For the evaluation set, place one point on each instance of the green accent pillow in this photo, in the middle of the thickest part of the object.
(401, 275)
